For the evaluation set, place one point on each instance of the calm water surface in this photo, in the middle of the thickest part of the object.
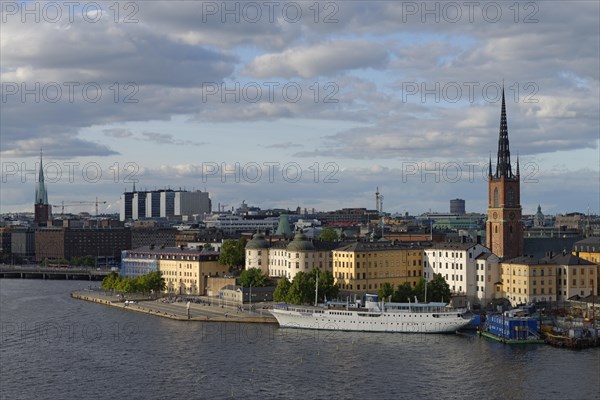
(55, 347)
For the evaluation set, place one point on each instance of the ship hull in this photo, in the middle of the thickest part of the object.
(346, 320)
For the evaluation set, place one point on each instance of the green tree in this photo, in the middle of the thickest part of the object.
(327, 288)
(110, 281)
(438, 289)
(328, 235)
(402, 293)
(300, 290)
(281, 291)
(254, 277)
(155, 282)
(419, 290)
(385, 291)
(233, 253)
(125, 285)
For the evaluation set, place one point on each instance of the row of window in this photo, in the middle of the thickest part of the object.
(343, 264)
(451, 254)
(365, 255)
(370, 286)
(563, 271)
(347, 275)
(533, 291)
(452, 265)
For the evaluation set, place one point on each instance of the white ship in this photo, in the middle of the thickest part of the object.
(374, 317)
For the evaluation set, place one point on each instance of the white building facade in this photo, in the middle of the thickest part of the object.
(286, 259)
(457, 263)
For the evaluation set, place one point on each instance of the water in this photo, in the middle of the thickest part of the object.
(55, 347)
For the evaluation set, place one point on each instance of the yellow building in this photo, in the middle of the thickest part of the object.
(528, 280)
(361, 267)
(589, 249)
(185, 271)
(575, 276)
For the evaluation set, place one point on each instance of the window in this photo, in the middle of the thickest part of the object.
(496, 198)
(511, 197)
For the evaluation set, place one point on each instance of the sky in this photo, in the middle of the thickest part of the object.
(310, 104)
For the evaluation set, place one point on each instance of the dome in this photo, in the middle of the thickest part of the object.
(539, 213)
(300, 243)
(258, 241)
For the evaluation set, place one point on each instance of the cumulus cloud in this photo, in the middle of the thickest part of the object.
(322, 59)
(156, 71)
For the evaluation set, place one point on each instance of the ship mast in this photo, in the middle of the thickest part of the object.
(317, 288)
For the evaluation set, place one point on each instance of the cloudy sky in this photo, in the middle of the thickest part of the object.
(286, 104)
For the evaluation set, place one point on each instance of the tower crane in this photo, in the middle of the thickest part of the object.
(63, 204)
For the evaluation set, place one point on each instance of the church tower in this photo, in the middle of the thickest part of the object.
(42, 209)
(504, 233)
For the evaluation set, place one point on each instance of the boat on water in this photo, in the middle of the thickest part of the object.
(375, 316)
(510, 328)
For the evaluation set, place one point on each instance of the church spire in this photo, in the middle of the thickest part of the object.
(503, 168)
(41, 196)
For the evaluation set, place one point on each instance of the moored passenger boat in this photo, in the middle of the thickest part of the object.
(374, 317)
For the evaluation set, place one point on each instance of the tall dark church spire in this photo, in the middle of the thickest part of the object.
(41, 195)
(503, 168)
(504, 231)
(42, 210)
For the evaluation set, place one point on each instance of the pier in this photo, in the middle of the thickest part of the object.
(175, 310)
(37, 272)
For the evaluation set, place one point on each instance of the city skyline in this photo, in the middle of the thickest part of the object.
(392, 97)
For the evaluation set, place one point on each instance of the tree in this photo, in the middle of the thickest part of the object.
(125, 285)
(233, 253)
(403, 293)
(253, 277)
(327, 288)
(154, 282)
(419, 290)
(328, 235)
(438, 289)
(385, 291)
(300, 289)
(110, 281)
(281, 291)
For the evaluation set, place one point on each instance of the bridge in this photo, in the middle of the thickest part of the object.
(37, 272)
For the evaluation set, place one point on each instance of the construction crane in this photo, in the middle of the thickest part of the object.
(62, 205)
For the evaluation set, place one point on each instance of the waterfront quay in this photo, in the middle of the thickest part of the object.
(175, 310)
(38, 272)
